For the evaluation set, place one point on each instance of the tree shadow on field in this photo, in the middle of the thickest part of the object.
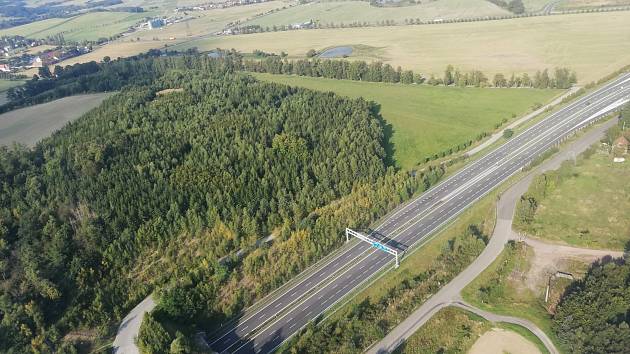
(388, 131)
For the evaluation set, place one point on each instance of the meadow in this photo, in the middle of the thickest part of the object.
(337, 12)
(426, 120)
(589, 208)
(90, 26)
(506, 46)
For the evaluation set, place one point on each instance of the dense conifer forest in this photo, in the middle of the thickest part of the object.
(151, 189)
(594, 314)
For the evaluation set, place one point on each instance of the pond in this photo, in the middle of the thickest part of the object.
(336, 52)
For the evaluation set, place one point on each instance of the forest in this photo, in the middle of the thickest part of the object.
(594, 314)
(189, 163)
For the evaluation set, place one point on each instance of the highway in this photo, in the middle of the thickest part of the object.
(264, 328)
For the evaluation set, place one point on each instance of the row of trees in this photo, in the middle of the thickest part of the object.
(379, 72)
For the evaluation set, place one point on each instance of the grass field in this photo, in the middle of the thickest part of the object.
(90, 26)
(517, 45)
(29, 125)
(589, 209)
(427, 120)
(337, 12)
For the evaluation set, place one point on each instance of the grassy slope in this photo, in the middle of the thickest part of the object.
(518, 45)
(352, 11)
(91, 26)
(427, 120)
(589, 209)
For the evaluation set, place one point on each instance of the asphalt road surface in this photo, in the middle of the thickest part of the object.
(263, 328)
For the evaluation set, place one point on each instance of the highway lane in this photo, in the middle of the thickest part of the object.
(410, 224)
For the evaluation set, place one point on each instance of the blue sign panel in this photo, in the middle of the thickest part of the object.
(379, 246)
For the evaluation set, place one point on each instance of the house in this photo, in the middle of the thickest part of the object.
(5, 68)
(36, 63)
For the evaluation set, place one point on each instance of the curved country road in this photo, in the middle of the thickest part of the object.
(450, 293)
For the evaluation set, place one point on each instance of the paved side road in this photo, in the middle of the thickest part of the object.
(125, 342)
(502, 233)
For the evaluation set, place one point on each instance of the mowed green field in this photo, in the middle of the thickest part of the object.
(427, 120)
(589, 209)
(591, 44)
(337, 12)
(90, 26)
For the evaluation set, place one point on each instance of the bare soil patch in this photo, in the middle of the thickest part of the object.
(502, 341)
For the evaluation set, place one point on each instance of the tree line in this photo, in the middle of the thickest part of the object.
(378, 72)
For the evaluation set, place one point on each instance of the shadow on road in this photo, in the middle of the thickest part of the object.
(386, 240)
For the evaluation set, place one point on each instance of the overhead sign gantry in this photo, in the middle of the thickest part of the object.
(374, 243)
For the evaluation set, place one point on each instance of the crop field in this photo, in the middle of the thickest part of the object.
(90, 26)
(325, 12)
(517, 45)
(427, 120)
(31, 124)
